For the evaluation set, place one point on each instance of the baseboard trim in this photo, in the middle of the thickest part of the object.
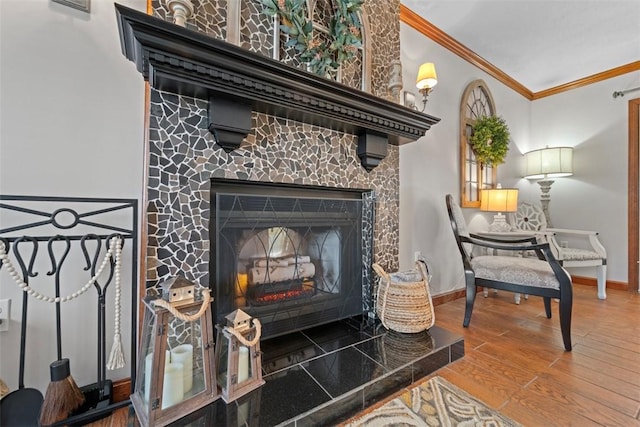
(590, 281)
(449, 296)
(121, 390)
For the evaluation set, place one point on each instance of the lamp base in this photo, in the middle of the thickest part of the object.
(499, 224)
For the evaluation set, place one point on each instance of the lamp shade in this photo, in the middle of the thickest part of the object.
(548, 162)
(427, 77)
(499, 200)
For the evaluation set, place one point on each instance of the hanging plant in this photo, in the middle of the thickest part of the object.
(490, 140)
(323, 57)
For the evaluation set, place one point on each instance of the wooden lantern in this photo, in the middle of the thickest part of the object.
(238, 356)
(175, 377)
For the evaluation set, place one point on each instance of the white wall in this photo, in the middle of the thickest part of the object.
(588, 118)
(71, 124)
(429, 167)
(595, 197)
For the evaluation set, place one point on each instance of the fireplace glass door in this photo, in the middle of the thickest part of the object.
(291, 256)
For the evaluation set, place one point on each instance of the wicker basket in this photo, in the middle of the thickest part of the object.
(404, 303)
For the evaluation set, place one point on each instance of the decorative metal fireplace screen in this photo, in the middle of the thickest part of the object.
(291, 256)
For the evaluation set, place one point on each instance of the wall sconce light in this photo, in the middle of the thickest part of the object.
(426, 81)
(548, 163)
(175, 378)
(499, 200)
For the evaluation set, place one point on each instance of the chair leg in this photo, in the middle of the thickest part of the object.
(471, 297)
(547, 306)
(566, 302)
(601, 272)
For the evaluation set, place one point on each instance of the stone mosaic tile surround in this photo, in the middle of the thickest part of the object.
(183, 156)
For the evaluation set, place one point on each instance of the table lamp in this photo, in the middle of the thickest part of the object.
(499, 200)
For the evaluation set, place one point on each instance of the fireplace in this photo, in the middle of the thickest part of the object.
(299, 129)
(292, 256)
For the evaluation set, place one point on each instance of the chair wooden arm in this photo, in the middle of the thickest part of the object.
(571, 231)
(550, 234)
(532, 240)
(542, 250)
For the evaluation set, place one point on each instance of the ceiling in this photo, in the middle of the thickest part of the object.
(539, 43)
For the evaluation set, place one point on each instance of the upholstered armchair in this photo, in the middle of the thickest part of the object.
(542, 276)
(530, 217)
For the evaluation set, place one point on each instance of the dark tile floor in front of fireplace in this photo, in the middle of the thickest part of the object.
(326, 374)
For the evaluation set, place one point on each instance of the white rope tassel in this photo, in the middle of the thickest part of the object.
(116, 357)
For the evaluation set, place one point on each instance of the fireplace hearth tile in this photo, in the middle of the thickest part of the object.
(343, 370)
(379, 389)
(284, 351)
(306, 386)
(287, 394)
(336, 335)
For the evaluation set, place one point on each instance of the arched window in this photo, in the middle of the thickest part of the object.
(474, 176)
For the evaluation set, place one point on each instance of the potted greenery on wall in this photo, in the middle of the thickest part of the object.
(490, 140)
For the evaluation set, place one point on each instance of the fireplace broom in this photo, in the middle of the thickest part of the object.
(63, 395)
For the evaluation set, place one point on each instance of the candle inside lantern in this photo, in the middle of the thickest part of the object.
(184, 354)
(148, 365)
(172, 388)
(171, 394)
(243, 364)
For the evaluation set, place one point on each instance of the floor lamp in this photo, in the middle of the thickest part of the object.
(549, 162)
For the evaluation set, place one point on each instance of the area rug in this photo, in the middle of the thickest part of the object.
(435, 402)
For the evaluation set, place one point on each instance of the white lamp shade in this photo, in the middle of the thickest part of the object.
(427, 77)
(499, 200)
(552, 162)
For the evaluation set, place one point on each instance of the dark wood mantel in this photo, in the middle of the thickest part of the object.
(186, 62)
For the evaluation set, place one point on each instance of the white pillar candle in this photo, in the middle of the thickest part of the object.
(184, 354)
(243, 364)
(172, 388)
(148, 362)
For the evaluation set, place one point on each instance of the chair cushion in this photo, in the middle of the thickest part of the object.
(574, 254)
(511, 269)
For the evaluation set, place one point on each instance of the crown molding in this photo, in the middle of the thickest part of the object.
(585, 81)
(429, 30)
(425, 27)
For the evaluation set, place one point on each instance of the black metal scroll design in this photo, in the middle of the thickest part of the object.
(92, 263)
(26, 273)
(60, 224)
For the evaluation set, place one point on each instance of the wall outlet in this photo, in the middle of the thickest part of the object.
(417, 255)
(5, 314)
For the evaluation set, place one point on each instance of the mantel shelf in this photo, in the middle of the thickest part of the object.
(186, 62)
(237, 81)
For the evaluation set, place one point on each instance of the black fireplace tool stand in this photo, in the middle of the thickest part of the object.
(61, 225)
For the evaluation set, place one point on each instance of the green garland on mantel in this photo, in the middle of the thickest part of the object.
(344, 33)
(490, 140)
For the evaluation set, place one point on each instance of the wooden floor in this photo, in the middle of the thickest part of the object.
(515, 361)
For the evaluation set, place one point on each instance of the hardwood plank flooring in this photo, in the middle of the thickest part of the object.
(515, 361)
(595, 384)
